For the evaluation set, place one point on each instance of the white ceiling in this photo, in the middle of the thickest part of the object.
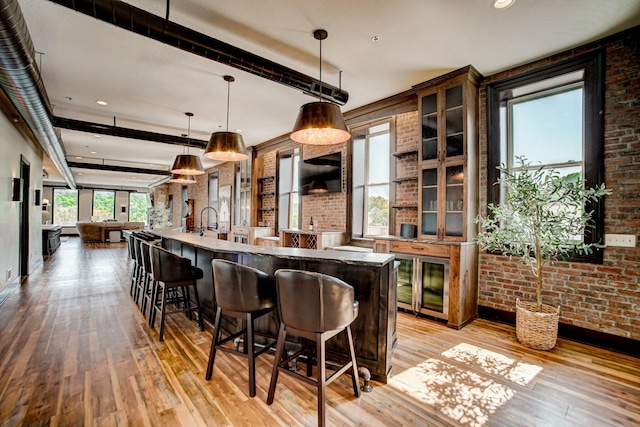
(149, 85)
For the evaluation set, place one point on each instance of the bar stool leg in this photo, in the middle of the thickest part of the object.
(198, 307)
(251, 355)
(322, 377)
(214, 342)
(163, 307)
(354, 367)
(282, 335)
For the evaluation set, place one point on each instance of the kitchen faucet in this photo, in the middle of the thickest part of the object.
(202, 227)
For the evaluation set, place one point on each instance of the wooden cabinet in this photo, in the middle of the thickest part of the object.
(310, 239)
(448, 156)
(249, 235)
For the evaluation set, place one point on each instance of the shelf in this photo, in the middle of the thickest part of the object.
(405, 153)
(404, 206)
(406, 179)
(264, 178)
(267, 193)
(266, 209)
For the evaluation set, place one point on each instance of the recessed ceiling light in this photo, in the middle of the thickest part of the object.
(502, 4)
(238, 130)
(78, 157)
(97, 136)
(375, 39)
(133, 177)
(94, 152)
(101, 102)
(80, 173)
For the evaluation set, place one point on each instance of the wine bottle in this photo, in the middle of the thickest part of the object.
(311, 226)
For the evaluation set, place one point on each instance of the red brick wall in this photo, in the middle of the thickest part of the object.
(329, 211)
(269, 218)
(605, 297)
(407, 139)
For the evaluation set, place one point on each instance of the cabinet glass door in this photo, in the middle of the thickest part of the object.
(434, 294)
(454, 200)
(405, 282)
(429, 202)
(455, 122)
(430, 127)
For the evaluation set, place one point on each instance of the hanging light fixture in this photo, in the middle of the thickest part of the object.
(182, 179)
(226, 146)
(187, 164)
(320, 123)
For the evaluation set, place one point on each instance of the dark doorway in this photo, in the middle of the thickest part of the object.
(25, 173)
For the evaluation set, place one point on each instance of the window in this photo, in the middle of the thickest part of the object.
(371, 161)
(138, 207)
(65, 207)
(104, 203)
(213, 191)
(288, 195)
(553, 117)
(242, 205)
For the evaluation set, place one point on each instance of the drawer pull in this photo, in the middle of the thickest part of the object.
(417, 248)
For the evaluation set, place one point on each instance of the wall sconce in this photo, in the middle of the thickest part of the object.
(123, 209)
(45, 204)
(17, 190)
(36, 197)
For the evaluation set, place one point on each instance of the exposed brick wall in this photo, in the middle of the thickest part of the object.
(269, 165)
(407, 139)
(329, 211)
(605, 297)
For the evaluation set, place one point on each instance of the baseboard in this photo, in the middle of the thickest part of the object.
(574, 333)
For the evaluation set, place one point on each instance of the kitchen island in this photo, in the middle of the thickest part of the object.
(372, 276)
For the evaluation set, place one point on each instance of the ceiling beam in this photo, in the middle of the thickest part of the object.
(102, 129)
(112, 168)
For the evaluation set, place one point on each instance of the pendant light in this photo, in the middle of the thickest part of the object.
(320, 123)
(182, 179)
(226, 146)
(187, 164)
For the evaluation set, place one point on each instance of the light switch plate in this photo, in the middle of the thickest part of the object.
(620, 240)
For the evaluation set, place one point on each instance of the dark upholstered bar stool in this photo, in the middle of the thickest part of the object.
(142, 276)
(135, 268)
(173, 275)
(149, 284)
(247, 294)
(317, 307)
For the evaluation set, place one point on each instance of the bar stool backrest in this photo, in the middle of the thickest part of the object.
(137, 251)
(241, 288)
(145, 249)
(168, 267)
(131, 243)
(314, 302)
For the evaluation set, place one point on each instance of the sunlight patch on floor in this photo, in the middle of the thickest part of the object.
(462, 395)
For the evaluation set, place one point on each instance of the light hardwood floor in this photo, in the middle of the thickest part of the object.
(75, 350)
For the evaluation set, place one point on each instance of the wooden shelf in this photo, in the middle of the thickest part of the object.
(266, 209)
(405, 153)
(405, 179)
(404, 206)
(269, 193)
(264, 178)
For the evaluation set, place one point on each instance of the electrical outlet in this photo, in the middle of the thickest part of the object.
(620, 240)
(9, 273)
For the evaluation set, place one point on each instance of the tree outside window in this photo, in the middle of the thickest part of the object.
(138, 207)
(65, 207)
(103, 205)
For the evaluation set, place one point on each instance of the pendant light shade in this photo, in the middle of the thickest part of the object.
(182, 179)
(320, 123)
(187, 164)
(318, 187)
(226, 146)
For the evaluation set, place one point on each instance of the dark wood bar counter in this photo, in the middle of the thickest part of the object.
(371, 274)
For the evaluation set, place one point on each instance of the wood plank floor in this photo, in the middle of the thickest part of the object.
(75, 350)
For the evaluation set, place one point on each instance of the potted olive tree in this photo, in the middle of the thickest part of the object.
(543, 218)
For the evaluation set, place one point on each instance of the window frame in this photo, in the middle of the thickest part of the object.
(136, 194)
(498, 92)
(53, 205)
(355, 135)
(295, 155)
(93, 204)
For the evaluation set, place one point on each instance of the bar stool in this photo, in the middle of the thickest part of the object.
(247, 294)
(142, 275)
(173, 275)
(317, 307)
(149, 283)
(135, 268)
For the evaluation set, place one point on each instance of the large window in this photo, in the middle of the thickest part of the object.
(288, 195)
(242, 190)
(104, 203)
(370, 180)
(138, 207)
(65, 207)
(553, 118)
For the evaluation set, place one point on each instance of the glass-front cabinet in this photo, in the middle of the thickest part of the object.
(447, 156)
(423, 285)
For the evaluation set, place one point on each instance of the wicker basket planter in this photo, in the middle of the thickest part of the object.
(537, 330)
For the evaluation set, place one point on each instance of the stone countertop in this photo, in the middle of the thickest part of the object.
(50, 227)
(374, 259)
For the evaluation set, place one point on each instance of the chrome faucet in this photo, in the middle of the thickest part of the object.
(202, 227)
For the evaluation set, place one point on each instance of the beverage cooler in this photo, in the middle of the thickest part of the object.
(423, 285)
